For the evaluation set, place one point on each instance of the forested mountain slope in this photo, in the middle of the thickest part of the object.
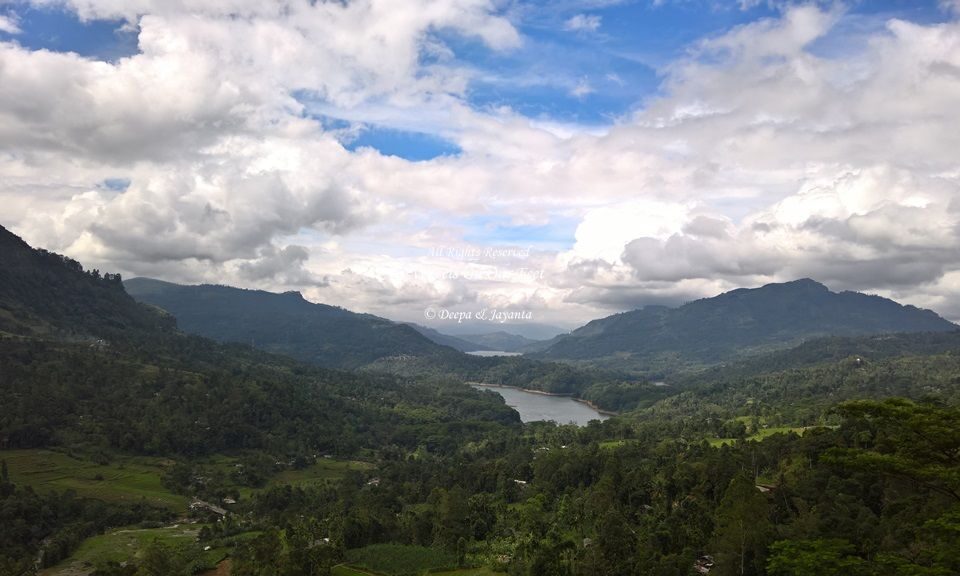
(284, 323)
(741, 322)
(87, 370)
(333, 337)
(46, 293)
(161, 391)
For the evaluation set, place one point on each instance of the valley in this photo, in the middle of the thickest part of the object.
(131, 447)
(479, 288)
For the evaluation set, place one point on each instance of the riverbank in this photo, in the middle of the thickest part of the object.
(543, 393)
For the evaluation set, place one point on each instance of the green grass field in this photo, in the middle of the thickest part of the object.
(324, 470)
(764, 433)
(123, 479)
(132, 479)
(126, 545)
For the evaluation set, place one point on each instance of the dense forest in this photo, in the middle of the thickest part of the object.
(841, 456)
(877, 495)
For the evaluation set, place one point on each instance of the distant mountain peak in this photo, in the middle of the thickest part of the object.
(742, 321)
(807, 283)
(801, 285)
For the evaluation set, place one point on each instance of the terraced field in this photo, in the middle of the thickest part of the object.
(126, 545)
(122, 479)
(324, 470)
(764, 433)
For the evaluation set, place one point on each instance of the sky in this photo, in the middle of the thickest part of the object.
(557, 160)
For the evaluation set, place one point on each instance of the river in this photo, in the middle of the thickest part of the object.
(534, 407)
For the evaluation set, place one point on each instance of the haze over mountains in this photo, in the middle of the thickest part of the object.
(652, 340)
(528, 329)
(332, 337)
(501, 340)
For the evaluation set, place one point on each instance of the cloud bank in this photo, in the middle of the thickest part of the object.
(778, 149)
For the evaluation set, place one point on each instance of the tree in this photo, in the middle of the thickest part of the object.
(920, 442)
(158, 560)
(6, 488)
(617, 543)
(262, 557)
(309, 553)
(743, 528)
(461, 551)
(453, 522)
(814, 558)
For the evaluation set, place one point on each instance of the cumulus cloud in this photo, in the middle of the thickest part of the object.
(761, 159)
(582, 89)
(284, 265)
(8, 25)
(836, 178)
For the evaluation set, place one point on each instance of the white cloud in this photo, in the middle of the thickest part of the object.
(759, 161)
(853, 183)
(582, 89)
(582, 23)
(9, 25)
(605, 231)
(615, 78)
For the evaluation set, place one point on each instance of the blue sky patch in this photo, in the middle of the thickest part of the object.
(414, 146)
(58, 30)
(116, 184)
(491, 230)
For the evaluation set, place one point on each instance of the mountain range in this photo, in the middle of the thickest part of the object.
(333, 337)
(735, 324)
(651, 341)
(285, 324)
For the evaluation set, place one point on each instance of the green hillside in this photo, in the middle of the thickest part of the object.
(657, 339)
(837, 457)
(284, 323)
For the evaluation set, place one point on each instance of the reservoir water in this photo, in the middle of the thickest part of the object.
(535, 407)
